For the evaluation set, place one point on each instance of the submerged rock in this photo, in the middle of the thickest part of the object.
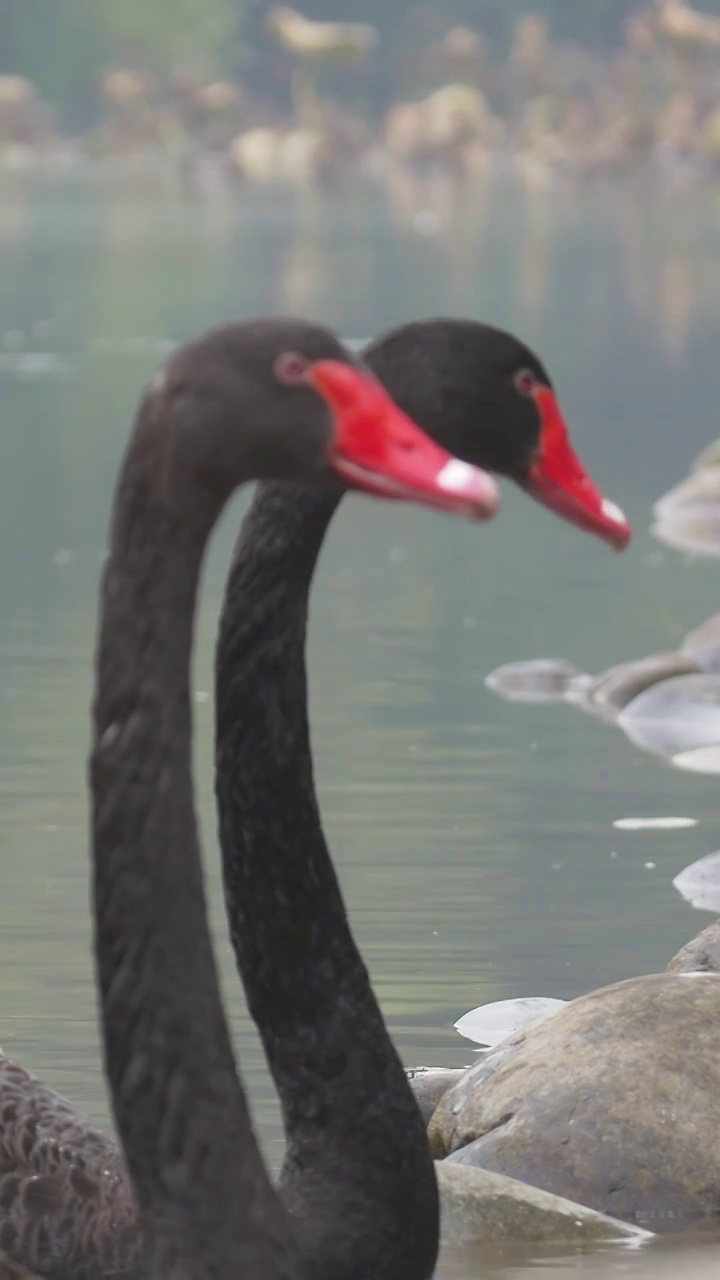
(490, 1024)
(429, 1084)
(699, 884)
(477, 1206)
(611, 691)
(537, 680)
(666, 823)
(676, 716)
(701, 487)
(694, 529)
(703, 644)
(699, 760)
(710, 457)
(613, 1101)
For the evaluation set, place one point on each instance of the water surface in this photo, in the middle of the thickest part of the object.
(474, 838)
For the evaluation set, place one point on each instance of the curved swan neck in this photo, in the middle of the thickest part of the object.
(284, 903)
(206, 1203)
(357, 1150)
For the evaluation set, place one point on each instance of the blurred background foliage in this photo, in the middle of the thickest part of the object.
(61, 46)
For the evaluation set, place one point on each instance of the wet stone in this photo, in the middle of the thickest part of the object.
(710, 457)
(699, 884)
(490, 1024)
(701, 487)
(429, 1084)
(694, 529)
(537, 680)
(614, 1101)
(477, 1206)
(701, 954)
(675, 716)
(698, 760)
(703, 644)
(611, 691)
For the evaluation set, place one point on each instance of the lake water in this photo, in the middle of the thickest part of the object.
(474, 838)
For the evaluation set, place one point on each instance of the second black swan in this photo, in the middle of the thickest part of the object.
(355, 1137)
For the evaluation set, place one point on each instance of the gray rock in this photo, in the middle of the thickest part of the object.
(694, 529)
(699, 883)
(429, 1084)
(704, 760)
(701, 486)
(701, 954)
(676, 716)
(487, 1208)
(613, 1101)
(703, 644)
(608, 693)
(710, 457)
(490, 1024)
(537, 680)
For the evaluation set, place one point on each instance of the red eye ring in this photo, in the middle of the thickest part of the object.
(291, 367)
(525, 382)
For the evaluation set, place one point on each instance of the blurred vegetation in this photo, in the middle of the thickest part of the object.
(261, 92)
(61, 46)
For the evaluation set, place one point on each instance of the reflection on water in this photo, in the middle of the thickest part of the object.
(661, 1260)
(474, 837)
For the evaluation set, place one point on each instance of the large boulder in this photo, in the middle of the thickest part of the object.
(614, 1101)
(701, 954)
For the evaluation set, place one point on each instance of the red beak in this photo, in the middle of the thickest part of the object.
(558, 479)
(378, 449)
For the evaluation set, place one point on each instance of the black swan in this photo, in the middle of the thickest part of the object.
(65, 1205)
(238, 404)
(355, 1137)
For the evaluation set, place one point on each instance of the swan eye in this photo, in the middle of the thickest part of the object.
(291, 367)
(525, 382)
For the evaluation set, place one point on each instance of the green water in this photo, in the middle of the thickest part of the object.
(474, 838)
